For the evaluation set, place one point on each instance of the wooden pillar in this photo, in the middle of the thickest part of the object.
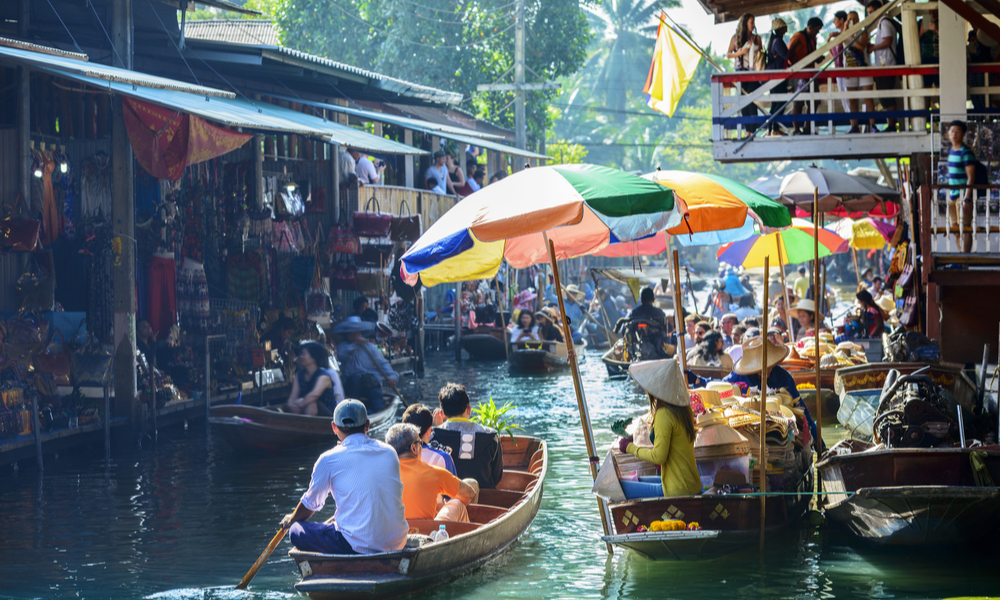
(335, 159)
(123, 229)
(408, 176)
(954, 84)
(258, 170)
(911, 44)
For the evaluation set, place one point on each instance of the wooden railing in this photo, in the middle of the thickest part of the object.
(391, 199)
(942, 231)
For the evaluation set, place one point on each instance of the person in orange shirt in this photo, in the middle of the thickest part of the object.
(422, 483)
(801, 45)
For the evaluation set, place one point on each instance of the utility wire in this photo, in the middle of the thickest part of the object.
(176, 47)
(78, 49)
(106, 34)
(624, 112)
(404, 40)
(449, 12)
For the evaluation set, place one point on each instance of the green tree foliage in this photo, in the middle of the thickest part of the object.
(565, 153)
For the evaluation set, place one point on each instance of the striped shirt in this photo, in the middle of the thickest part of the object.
(362, 475)
(958, 160)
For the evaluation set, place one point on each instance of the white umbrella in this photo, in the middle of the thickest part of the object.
(836, 189)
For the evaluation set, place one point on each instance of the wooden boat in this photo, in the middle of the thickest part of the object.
(485, 343)
(910, 496)
(264, 429)
(831, 403)
(501, 516)
(859, 389)
(729, 523)
(617, 369)
(542, 357)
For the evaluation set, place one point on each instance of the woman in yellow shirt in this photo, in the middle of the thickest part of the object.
(673, 427)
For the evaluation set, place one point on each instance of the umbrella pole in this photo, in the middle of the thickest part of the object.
(581, 402)
(784, 290)
(675, 263)
(762, 463)
(816, 320)
(506, 350)
(857, 271)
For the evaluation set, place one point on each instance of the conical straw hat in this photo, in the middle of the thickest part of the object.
(753, 359)
(661, 379)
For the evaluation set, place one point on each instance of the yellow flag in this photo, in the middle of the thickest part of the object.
(635, 286)
(674, 64)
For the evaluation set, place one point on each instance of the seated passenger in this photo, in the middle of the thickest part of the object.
(646, 310)
(316, 388)
(434, 453)
(710, 353)
(423, 483)
(476, 448)
(673, 427)
(369, 518)
(525, 330)
(548, 330)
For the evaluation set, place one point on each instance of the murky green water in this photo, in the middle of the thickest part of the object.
(186, 518)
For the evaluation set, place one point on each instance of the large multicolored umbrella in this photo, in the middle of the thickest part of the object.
(719, 210)
(864, 234)
(581, 208)
(653, 245)
(791, 246)
(836, 190)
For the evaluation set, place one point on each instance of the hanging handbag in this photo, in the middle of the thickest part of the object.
(317, 203)
(404, 229)
(34, 283)
(370, 284)
(55, 358)
(372, 224)
(19, 235)
(283, 238)
(343, 276)
(26, 332)
(343, 240)
(910, 316)
(91, 364)
(375, 255)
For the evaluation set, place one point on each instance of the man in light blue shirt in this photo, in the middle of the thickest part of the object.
(363, 368)
(439, 173)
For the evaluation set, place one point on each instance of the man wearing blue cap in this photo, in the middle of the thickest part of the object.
(362, 475)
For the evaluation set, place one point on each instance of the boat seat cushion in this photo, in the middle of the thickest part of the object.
(486, 464)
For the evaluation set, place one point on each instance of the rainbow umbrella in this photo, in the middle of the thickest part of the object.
(581, 208)
(794, 245)
(719, 210)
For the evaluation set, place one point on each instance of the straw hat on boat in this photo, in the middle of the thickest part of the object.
(753, 358)
(661, 379)
(575, 292)
(807, 305)
(729, 393)
(708, 397)
(716, 439)
(353, 324)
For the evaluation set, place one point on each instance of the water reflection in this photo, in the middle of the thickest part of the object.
(187, 517)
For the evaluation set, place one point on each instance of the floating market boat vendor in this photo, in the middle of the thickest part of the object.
(746, 373)
(805, 312)
(673, 428)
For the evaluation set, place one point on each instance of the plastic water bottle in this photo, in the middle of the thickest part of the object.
(440, 535)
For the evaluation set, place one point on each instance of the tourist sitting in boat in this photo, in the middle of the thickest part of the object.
(363, 366)
(369, 518)
(548, 331)
(363, 310)
(478, 453)
(423, 483)
(646, 311)
(524, 330)
(710, 353)
(735, 352)
(805, 312)
(316, 387)
(434, 453)
(746, 372)
(872, 319)
(726, 324)
(673, 428)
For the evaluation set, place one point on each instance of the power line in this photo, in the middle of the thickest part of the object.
(625, 112)
(635, 145)
(404, 40)
(449, 12)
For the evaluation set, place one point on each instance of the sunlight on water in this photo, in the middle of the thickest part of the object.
(185, 519)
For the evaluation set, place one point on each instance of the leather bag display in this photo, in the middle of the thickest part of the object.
(372, 223)
(19, 235)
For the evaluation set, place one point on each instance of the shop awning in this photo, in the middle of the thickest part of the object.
(238, 112)
(458, 134)
(78, 64)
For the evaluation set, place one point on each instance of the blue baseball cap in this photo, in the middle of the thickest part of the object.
(350, 413)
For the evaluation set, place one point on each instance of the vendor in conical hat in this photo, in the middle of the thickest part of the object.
(673, 427)
(805, 311)
(746, 372)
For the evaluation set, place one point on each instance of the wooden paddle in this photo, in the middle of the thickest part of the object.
(261, 560)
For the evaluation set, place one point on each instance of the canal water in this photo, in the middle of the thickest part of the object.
(186, 517)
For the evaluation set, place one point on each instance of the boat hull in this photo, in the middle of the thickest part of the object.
(911, 496)
(533, 360)
(484, 346)
(257, 429)
(396, 573)
(859, 389)
(617, 369)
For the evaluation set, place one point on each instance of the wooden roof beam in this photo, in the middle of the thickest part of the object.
(971, 15)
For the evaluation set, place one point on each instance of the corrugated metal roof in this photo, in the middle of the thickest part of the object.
(246, 31)
(223, 4)
(408, 123)
(237, 112)
(97, 71)
(9, 43)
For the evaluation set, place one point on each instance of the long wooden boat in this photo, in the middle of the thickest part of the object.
(729, 522)
(911, 496)
(542, 357)
(485, 343)
(264, 429)
(860, 387)
(617, 369)
(501, 516)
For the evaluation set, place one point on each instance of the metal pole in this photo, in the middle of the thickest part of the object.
(506, 350)
(520, 124)
(208, 379)
(857, 270)
(107, 425)
(457, 313)
(677, 315)
(152, 400)
(420, 330)
(762, 463)
(816, 318)
(36, 427)
(581, 401)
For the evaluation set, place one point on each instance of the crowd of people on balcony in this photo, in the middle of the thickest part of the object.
(444, 176)
(878, 45)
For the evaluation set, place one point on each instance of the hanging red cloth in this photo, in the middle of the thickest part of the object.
(165, 141)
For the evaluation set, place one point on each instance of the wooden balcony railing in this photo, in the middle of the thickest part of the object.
(943, 223)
